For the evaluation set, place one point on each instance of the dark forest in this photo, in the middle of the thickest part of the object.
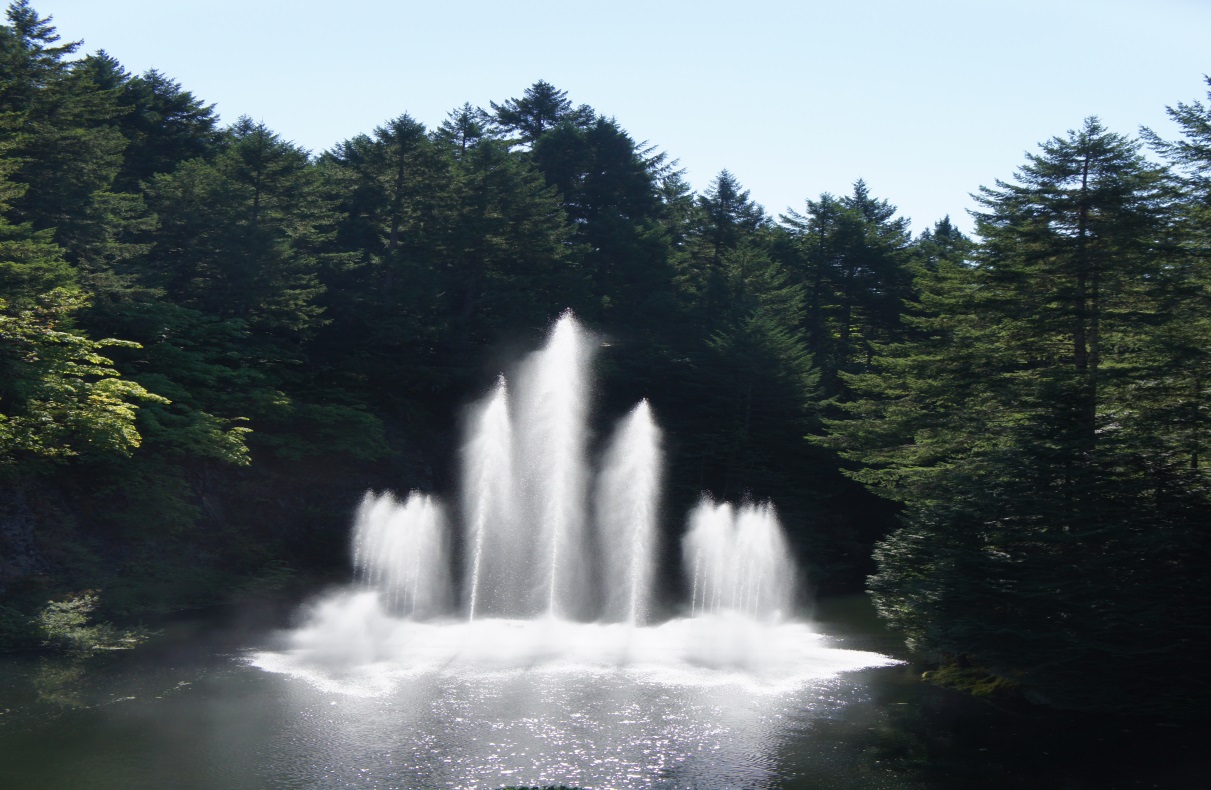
(213, 341)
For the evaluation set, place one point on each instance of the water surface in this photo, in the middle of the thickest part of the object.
(191, 711)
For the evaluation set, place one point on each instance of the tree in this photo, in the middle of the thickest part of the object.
(1045, 536)
(452, 246)
(541, 107)
(506, 248)
(66, 141)
(1191, 157)
(753, 382)
(464, 127)
(390, 190)
(1074, 245)
(609, 193)
(239, 236)
(164, 125)
(32, 55)
(852, 253)
(723, 218)
(61, 397)
(942, 242)
(1175, 409)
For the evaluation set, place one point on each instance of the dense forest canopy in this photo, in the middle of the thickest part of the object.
(211, 341)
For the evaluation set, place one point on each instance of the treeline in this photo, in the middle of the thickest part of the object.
(1045, 419)
(215, 340)
(212, 340)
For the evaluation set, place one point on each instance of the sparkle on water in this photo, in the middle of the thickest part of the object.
(555, 609)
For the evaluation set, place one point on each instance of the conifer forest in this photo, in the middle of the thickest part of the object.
(213, 341)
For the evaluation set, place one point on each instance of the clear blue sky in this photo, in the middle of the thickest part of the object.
(926, 100)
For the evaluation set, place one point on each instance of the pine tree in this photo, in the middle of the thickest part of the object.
(1044, 533)
(391, 191)
(1175, 406)
(507, 246)
(239, 237)
(609, 193)
(67, 140)
(164, 125)
(464, 127)
(542, 107)
(852, 254)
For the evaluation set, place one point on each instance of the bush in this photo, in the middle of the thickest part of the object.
(64, 627)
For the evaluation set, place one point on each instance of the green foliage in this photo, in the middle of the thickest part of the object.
(296, 327)
(541, 108)
(309, 429)
(608, 192)
(853, 256)
(1052, 513)
(754, 380)
(66, 141)
(969, 680)
(31, 265)
(164, 125)
(65, 627)
(464, 128)
(239, 237)
(60, 397)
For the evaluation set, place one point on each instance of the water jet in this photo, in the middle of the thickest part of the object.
(558, 561)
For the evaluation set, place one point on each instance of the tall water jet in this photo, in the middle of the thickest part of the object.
(627, 509)
(553, 394)
(527, 535)
(472, 689)
(401, 551)
(490, 503)
(704, 550)
(739, 561)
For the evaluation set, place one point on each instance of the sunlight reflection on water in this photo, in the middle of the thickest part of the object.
(690, 703)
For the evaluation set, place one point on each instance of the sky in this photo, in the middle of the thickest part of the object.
(924, 100)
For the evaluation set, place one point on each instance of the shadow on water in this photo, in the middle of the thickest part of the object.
(925, 736)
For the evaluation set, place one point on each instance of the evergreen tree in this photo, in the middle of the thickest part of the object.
(852, 253)
(723, 218)
(1043, 532)
(33, 58)
(239, 237)
(464, 127)
(753, 382)
(67, 140)
(609, 193)
(390, 190)
(164, 125)
(1174, 410)
(506, 248)
(541, 108)
(942, 242)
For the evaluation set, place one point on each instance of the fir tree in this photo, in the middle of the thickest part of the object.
(1043, 529)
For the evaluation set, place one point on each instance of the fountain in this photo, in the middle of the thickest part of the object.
(740, 561)
(400, 550)
(526, 525)
(555, 546)
(551, 610)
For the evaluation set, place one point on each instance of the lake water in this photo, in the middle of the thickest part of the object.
(191, 710)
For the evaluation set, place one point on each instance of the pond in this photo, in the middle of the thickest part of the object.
(193, 710)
